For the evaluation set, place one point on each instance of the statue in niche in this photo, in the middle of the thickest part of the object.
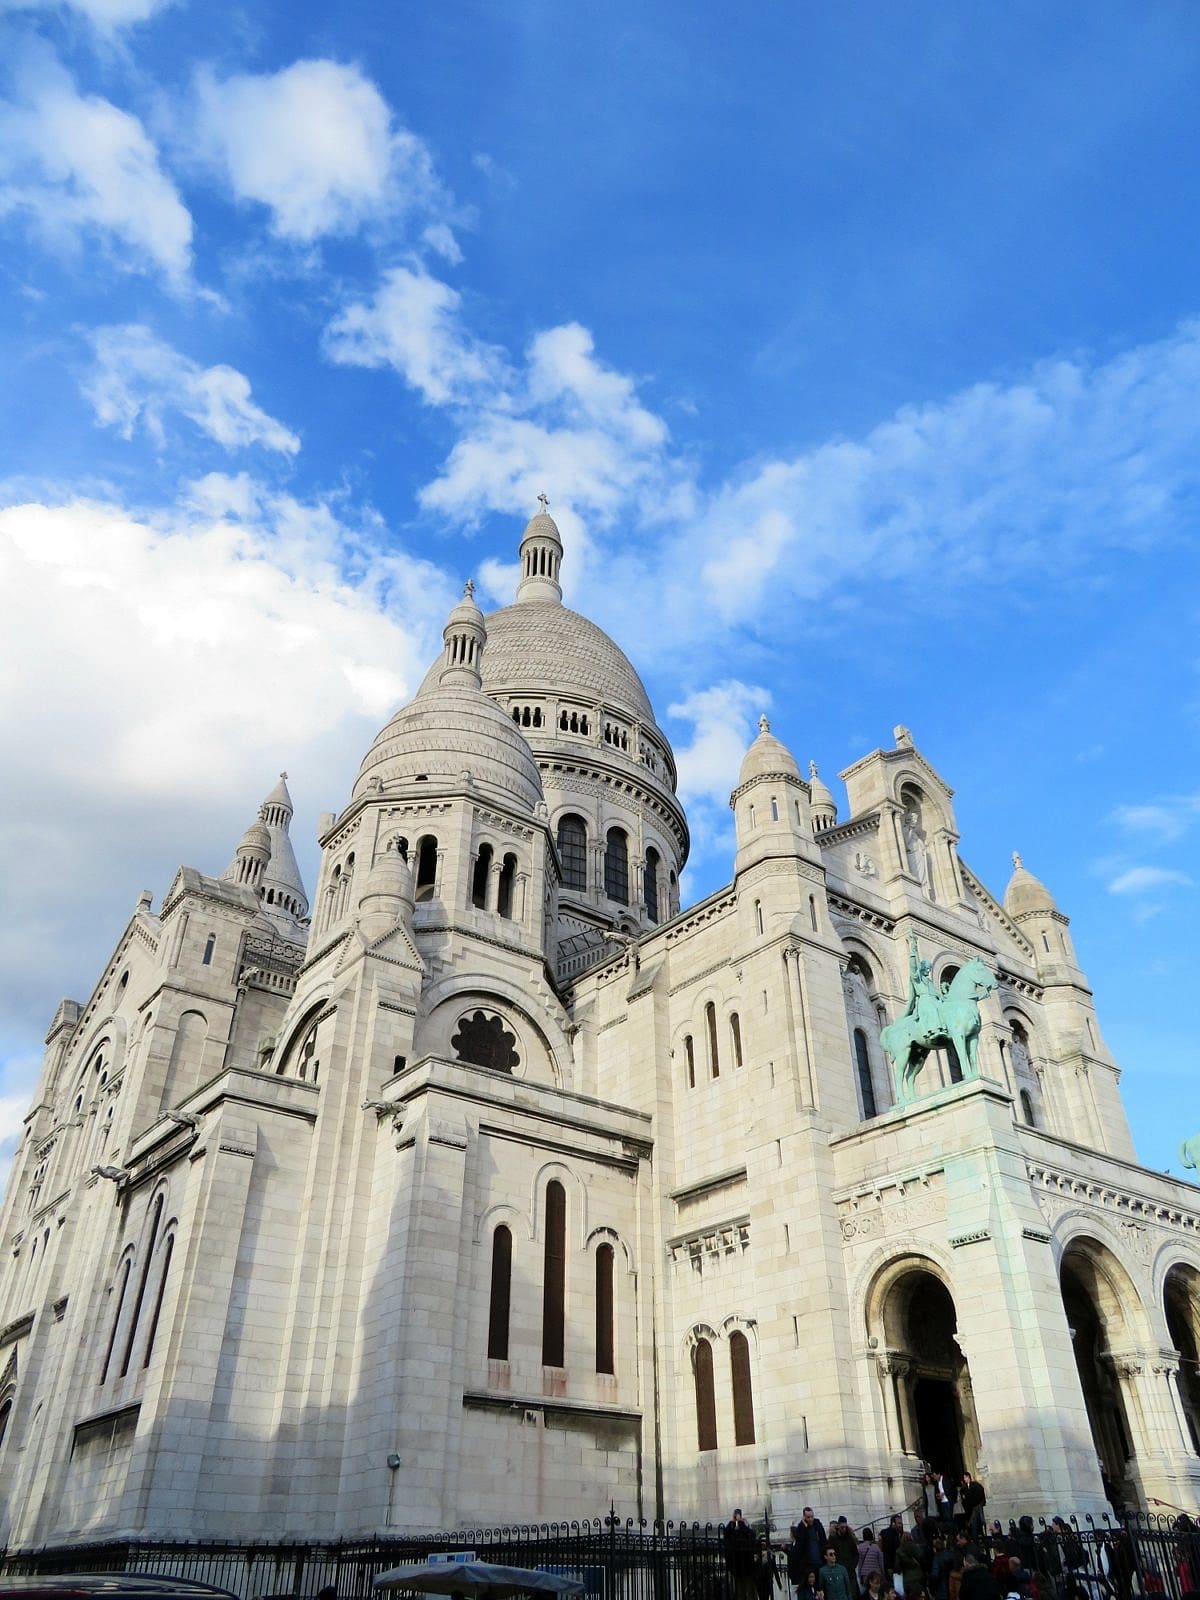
(933, 1017)
(915, 852)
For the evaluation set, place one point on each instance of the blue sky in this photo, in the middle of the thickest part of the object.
(857, 348)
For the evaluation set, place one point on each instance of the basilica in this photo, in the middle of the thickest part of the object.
(489, 1183)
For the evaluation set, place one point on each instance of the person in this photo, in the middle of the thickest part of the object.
(812, 1538)
(977, 1581)
(923, 1002)
(872, 1585)
(833, 1580)
(974, 1498)
(939, 1572)
(870, 1559)
(740, 1549)
(909, 1568)
(841, 1537)
(944, 1492)
(889, 1539)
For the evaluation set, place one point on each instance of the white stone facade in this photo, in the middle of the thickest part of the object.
(503, 1167)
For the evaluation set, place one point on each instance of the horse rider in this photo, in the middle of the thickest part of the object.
(923, 998)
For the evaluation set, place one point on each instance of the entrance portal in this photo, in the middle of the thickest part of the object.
(1096, 1318)
(932, 1409)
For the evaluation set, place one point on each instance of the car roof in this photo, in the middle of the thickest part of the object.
(105, 1583)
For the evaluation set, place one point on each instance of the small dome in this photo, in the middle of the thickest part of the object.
(256, 837)
(1025, 893)
(466, 610)
(449, 731)
(767, 757)
(542, 526)
(390, 874)
(822, 795)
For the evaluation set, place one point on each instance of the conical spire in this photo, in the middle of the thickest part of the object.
(1025, 893)
(284, 896)
(541, 557)
(465, 635)
(824, 806)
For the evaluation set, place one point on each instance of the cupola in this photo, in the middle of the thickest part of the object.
(821, 801)
(465, 636)
(541, 557)
(250, 859)
(770, 802)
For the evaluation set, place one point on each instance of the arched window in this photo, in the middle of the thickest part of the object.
(735, 1035)
(116, 1322)
(706, 1396)
(650, 885)
(604, 1308)
(743, 1394)
(572, 848)
(427, 854)
(616, 866)
(142, 1280)
(710, 1021)
(774, 809)
(1027, 1109)
(506, 885)
(953, 1064)
(5, 1415)
(554, 1281)
(689, 1051)
(866, 1089)
(758, 916)
(479, 878)
(501, 1292)
(168, 1250)
(210, 944)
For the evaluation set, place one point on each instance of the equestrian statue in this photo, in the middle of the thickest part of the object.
(934, 1016)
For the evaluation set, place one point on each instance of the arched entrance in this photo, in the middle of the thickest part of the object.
(1181, 1302)
(1095, 1294)
(930, 1401)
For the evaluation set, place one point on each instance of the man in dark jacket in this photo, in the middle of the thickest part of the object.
(810, 1535)
(740, 1550)
(977, 1581)
(889, 1540)
(841, 1537)
(974, 1499)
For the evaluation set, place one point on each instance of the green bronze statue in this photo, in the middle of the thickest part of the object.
(932, 1017)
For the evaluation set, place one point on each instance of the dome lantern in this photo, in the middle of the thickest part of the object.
(465, 636)
(541, 557)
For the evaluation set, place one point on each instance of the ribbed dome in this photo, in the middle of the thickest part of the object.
(256, 837)
(767, 757)
(1025, 893)
(542, 526)
(449, 730)
(542, 647)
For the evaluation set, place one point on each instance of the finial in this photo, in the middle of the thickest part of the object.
(1017, 862)
(283, 775)
(812, 769)
(545, 504)
(469, 589)
(763, 725)
(901, 735)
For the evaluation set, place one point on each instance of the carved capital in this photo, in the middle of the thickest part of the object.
(892, 1364)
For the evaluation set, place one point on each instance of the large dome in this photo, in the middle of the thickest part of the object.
(446, 731)
(541, 645)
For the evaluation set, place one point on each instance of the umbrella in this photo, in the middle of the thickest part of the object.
(476, 1578)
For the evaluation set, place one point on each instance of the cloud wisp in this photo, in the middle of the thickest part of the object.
(76, 166)
(137, 381)
(318, 146)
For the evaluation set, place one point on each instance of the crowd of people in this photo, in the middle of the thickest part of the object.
(947, 1551)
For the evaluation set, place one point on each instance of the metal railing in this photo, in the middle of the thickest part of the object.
(1152, 1556)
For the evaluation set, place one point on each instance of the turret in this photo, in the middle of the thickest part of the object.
(541, 556)
(387, 894)
(1031, 906)
(250, 859)
(465, 636)
(821, 802)
(770, 803)
(284, 896)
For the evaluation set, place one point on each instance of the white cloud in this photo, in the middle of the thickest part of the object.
(78, 166)
(1165, 820)
(722, 719)
(180, 660)
(1144, 880)
(138, 379)
(317, 145)
(414, 325)
(105, 15)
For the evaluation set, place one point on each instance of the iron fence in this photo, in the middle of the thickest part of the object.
(1143, 1557)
